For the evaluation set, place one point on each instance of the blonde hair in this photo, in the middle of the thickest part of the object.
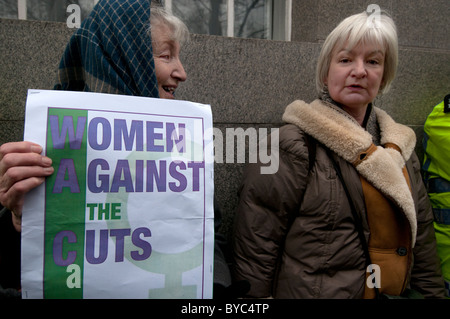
(358, 29)
(158, 15)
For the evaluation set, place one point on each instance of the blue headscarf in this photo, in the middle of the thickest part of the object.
(111, 52)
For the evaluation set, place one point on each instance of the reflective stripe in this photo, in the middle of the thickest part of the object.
(442, 215)
(438, 185)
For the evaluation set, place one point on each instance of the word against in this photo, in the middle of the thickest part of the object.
(244, 308)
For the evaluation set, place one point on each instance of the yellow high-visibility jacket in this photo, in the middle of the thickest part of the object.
(436, 169)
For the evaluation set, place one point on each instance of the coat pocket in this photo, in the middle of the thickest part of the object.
(393, 269)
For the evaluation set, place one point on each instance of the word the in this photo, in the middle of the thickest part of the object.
(105, 211)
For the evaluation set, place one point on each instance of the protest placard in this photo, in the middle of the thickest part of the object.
(128, 212)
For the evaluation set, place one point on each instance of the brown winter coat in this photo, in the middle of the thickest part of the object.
(287, 247)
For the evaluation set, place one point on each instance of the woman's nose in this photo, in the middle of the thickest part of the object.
(179, 73)
(359, 69)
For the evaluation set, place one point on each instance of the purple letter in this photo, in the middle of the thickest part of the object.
(195, 174)
(160, 178)
(93, 131)
(90, 247)
(127, 181)
(58, 248)
(140, 243)
(66, 165)
(152, 136)
(178, 176)
(171, 136)
(120, 239)
(92, 176)
(139, 176)
(120, 129)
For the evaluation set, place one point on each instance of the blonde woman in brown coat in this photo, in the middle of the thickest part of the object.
(357, 222)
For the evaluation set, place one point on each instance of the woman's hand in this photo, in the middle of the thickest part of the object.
(22, 168)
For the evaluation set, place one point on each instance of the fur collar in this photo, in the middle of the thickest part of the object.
(339, 132)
